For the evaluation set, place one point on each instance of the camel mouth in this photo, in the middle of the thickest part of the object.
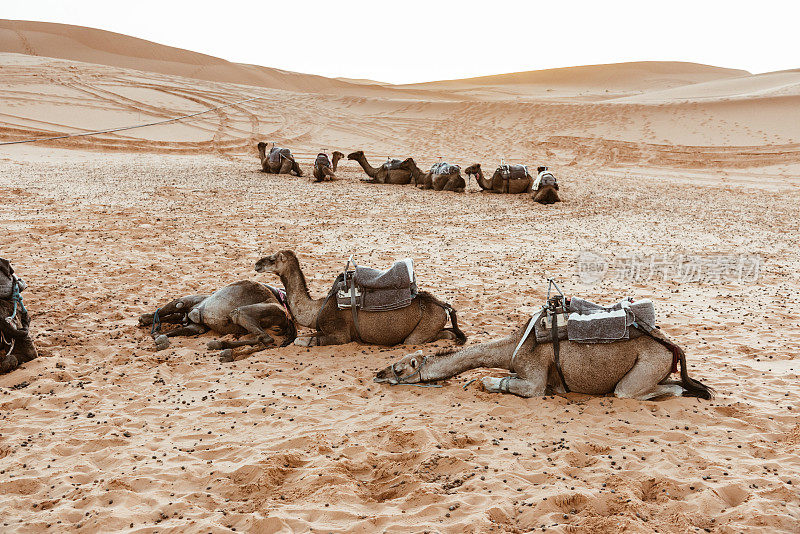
(263, 265)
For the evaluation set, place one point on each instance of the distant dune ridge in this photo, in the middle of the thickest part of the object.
(653, 112)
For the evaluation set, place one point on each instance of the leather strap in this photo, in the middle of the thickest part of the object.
(556, 351)
(354, 307)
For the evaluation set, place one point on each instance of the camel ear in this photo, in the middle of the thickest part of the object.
(281, 256)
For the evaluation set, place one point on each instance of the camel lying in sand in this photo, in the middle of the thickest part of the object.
(498, 183)
(324, 169)
(16, 345)
(545, 187)
(278, 161)
(421, 322)
(441, 177)
(243, 307)
(388, 173)
(634, 368)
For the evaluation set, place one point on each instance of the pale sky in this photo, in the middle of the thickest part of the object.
(417, 40)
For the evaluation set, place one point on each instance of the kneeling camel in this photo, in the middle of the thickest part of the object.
(421, 322)
(636, 368)
(324, 169)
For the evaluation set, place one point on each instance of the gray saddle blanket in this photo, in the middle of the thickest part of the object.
(587, 322)
(445, 168)
(546, 179)
(375, 290)
(276, 155)
(392, 164)
(513, 172)
(322, 160)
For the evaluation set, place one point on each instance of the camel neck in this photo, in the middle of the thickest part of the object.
(494, 354)
(335, 162)
(369, 169)
(303, 307)
(481, 180)
(416, 174)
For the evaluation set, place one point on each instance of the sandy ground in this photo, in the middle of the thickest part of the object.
(102, 433)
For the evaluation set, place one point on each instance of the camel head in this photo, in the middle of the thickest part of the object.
(408, 164)
(338, 155)
(473, 169)
(406, 371)
(357, 155)
(262, 145)
(279, 263)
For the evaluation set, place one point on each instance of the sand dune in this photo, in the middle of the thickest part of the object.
(102, 433)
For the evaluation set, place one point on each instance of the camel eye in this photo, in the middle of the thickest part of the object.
(413, 363)
(179, 305)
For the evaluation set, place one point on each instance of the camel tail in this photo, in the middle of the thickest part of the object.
(461, 337)
(694, 388)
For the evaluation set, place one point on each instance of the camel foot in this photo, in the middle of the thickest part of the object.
(226, 356)
(304, 341)
(216, 344)
(490, 384)
(162, 342)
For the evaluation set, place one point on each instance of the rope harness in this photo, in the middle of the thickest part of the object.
(405, 381)
(16, 298)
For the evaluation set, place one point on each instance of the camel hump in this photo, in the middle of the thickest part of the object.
(445, 168)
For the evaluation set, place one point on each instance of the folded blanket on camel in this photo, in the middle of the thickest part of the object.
(544, 179)
(377, 290)
(277, 154)
(445, 168)
(392, 164)
(513, 172)
(587, 322)
(322, 160)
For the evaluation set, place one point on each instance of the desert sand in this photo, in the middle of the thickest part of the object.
(102, 433)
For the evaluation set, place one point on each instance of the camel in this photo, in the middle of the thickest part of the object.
(497, 184)
(16, 345)
(421, 322)
(324, 170)
(545, 187)
(243, 307)
(278, 161)
(388, 173)
(438, 178)
(634, 368)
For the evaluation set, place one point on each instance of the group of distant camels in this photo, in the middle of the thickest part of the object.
(507, 179)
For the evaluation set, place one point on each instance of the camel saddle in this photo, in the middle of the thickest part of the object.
(276, 155)
(322, 160)
(583, 321)
(392, 164)
(513, 172)
(445, 168)
(370, 289)
(544, 179)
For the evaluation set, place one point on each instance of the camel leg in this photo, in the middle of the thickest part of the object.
(429, 327)
(328, 174)
(338, 337)
(24, 350)
(522, 387)
(294, 167)
(191, 329)
(8, 362)
(642, 382)
(255, 318)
